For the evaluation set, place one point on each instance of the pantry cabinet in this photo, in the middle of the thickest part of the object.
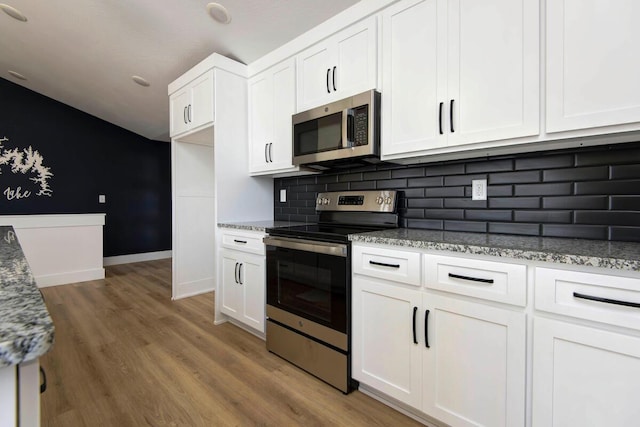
(192, 106)
(342, 65)
(458, 72)
(592, 73)
(271, 104)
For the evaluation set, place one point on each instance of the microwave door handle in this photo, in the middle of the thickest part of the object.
(347, 128)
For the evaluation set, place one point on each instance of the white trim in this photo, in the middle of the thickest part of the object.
(67, 277)
(190, 289)
(46, 221)
(128, 259)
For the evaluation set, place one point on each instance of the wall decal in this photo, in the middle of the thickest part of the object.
(27, 160)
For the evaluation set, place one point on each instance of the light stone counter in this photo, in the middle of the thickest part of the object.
(258, 225)
(594, 253)
(26, 329)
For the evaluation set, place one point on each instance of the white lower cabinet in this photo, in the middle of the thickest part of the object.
(459, 360)
(474, 365)
(584, 376)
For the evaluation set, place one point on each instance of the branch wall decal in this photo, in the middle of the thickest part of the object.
(24, 161)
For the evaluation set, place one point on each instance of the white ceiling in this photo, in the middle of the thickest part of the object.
(84, 52)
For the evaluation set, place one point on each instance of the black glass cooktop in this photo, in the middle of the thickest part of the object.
(325, 232)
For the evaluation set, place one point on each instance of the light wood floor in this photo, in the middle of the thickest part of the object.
(126, 355)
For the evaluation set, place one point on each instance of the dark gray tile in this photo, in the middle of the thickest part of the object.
(425, 224)
(498, 190)
(307, 195)
(543, 216)
(317, 187)
(299, 203)
(407, 173)
(487, 215)
(514, 228)
(608, 156)
(447, 169)
(327, 179)
(289, 182)
(289, 211)
(436, 181)
(608, 217)
(338, 186)
(514, 177)
(306, 211)
(462, 179)
(298, 188)
(444, 213)
(370, 176)
(350, 177)
(444, 192)
(626, 171)
(514, 202)
(414, 213)
(575, 202)
(626, 234)
(490, 166)
(545, 162)
(413, 192)
(281, 217)
(363, 185)
(555, 189)
(576, 174)
(625, 203)
(607, 187)
(425, 203)
(391, 184)
(305, 180)
(575, 231)
(465, 203)
(470, 226)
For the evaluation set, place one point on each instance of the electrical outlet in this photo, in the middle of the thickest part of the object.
(479, 189)
(283, 195)
(102, 198)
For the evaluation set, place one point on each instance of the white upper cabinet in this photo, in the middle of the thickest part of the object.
(592, 65)
(458, 72)
(340, 66)
(192, 106)
(271, 105)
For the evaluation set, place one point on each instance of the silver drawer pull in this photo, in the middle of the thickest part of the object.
(607, 300)
(472, 279)
(384, 264)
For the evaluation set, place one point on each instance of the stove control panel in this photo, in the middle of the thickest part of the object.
(358, 201)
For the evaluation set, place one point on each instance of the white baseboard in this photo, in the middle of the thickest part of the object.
(128, 259)
(67, 277)
(190, 289)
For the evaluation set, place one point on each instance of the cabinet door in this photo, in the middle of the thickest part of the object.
(384, 354)
(202, 105)
(493, 68)
(584, 376)
(474, 367)
(313, 67)
(413, 76)
(251, 275)
(179, 104)
(261, 116)
(356, 59)
(231, 289)
(592, 68)
(283, 107)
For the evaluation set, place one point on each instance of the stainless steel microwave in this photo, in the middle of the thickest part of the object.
(341, 133)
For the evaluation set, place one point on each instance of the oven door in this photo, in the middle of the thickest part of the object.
(309, 279)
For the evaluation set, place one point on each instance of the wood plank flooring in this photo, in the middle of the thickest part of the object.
(126, 355)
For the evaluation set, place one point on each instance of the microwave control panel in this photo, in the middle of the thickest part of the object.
(361, 125)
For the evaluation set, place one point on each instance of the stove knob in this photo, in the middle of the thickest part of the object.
(379, 200)
(388, 200)
(325, 201)
(319, 201)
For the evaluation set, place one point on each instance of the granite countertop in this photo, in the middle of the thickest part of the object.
(594, 253)
(258, 225)
(26, 329)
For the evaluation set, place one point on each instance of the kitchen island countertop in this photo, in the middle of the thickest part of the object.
(593, 253)
(26, 329)
(258, 225)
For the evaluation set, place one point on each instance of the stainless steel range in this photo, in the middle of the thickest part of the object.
(309, 282)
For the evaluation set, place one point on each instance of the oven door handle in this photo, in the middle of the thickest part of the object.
(336, 249)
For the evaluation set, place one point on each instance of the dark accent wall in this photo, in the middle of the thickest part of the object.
(88, 157)
(591, 193)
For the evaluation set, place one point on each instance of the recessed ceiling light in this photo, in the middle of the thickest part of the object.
(13, 12)
(141, 81)
(17, 75)
(219, 13)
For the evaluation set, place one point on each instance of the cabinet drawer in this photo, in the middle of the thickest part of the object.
(599, 297)
(244, 241)
(494, 281)
(388, 264)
